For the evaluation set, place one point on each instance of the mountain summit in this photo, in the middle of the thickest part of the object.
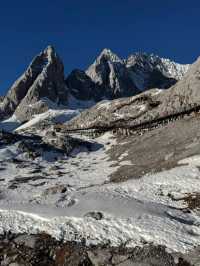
(152, 71)
(42, 83)
(111, 77)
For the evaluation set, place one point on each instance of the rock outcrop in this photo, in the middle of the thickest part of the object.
(43, 250)
(115, 113)
(184, 94)
(42, 84)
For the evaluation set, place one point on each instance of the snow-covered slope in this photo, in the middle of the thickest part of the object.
(62, 201)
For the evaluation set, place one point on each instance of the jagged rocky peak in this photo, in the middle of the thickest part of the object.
(102, 64)
(109, 55)
(150, 105)
(43, 79)
(150, 71)
(149, 62)
(110, 73)
(111, 77)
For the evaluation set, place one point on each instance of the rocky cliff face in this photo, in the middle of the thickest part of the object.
(110, 73)
(110, 77)
(151, 71)
(41, 84)
(147, 106)
(82, 87)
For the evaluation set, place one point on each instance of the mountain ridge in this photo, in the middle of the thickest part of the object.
(43, 84)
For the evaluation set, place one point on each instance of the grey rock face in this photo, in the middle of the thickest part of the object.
(44, 79)
(151, 71)
(82, 87)
(145, 107)
(111, 75)
(140, 70)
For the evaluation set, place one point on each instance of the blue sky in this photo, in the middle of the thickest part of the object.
(80, 29)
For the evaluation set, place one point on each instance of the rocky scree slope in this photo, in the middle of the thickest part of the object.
(55, 253)
(41, 85)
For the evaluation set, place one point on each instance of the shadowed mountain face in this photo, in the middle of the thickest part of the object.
(82, 87)
(44, 79)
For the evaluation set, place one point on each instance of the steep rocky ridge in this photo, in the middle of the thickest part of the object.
(152, 71)
(145, 107)
(109, 72)
(111, 77)
(44, 79)
(42, 86)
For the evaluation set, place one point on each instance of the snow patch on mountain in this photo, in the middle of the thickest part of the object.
(56, 116)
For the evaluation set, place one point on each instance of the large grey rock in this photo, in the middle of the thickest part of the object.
(43, 81)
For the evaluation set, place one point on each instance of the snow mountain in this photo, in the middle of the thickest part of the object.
(115, 184)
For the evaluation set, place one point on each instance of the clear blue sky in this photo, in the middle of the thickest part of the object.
(79, 29)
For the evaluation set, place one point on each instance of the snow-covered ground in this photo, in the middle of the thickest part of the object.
(10, 124)
(54, 115)
(61, 193)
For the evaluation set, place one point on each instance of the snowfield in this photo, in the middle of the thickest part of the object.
(62, 194)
